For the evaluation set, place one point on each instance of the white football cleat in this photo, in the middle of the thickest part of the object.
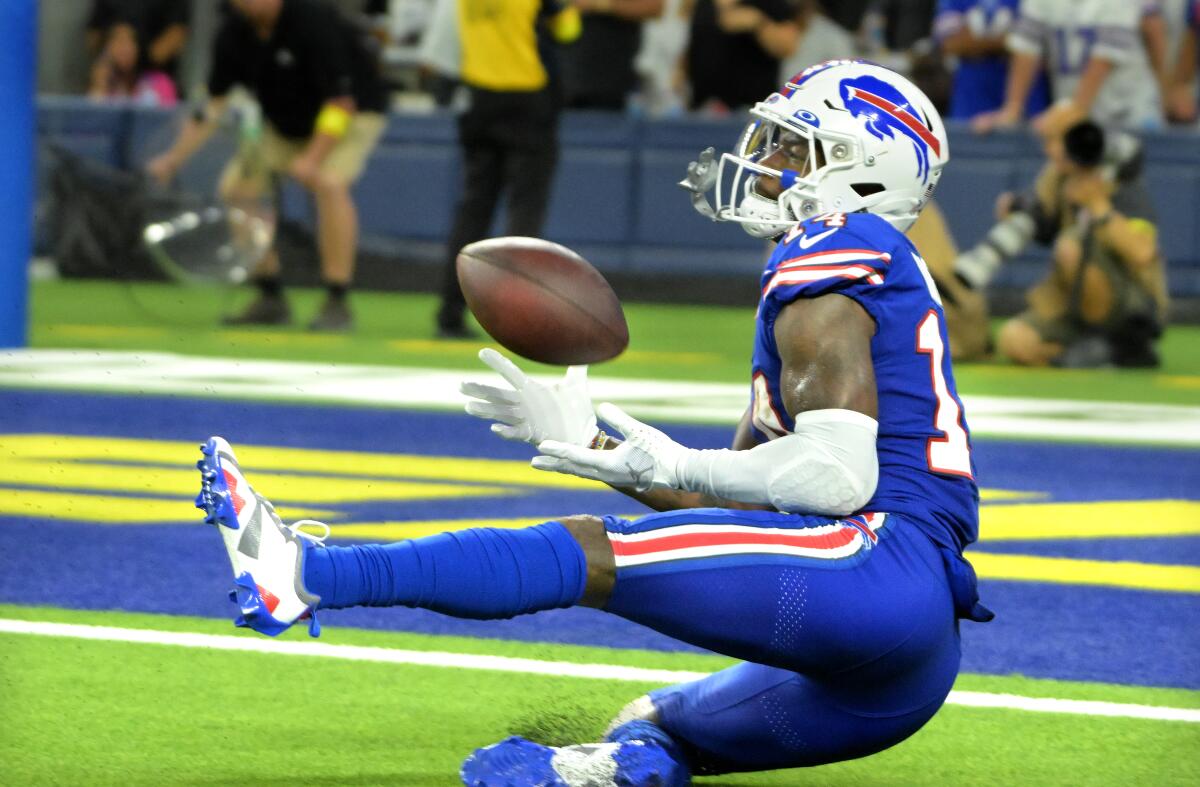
(267, 556)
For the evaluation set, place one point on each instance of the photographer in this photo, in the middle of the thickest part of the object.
(1104, 300)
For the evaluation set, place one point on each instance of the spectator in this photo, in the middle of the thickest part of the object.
(1181, 101)
(323, 103)
(735, 50)
(819, 39)
(598, 67)
(974, 31)
(1095, 62)
(161, 27)
(1104, 299)
(660, 61)
(509, 131)
(116, 74)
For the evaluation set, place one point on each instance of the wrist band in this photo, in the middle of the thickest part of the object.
(333, 121)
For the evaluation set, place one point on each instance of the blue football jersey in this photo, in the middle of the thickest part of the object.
(925, 464)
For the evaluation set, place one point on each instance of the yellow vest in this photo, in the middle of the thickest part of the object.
(499, 42)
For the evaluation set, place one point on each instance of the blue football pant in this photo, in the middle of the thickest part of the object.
(849, 625)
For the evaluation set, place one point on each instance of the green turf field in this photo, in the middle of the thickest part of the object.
(333, 721)
(395, 329)
(106, 710)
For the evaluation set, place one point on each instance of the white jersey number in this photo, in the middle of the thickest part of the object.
(950, 453)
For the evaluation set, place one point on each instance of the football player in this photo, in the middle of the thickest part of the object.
(824, 549)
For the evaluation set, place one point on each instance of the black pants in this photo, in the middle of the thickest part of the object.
(510, 144)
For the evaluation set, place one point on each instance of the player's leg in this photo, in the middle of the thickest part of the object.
(281, 576)
(872, 628)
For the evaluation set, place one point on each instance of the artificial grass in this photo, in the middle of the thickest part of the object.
(667, 341)
(78, 711)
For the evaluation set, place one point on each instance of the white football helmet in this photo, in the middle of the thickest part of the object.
(875, 144)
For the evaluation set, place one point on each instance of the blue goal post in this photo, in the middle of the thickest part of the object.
(18, 76)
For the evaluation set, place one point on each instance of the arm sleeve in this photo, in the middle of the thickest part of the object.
(828, 465)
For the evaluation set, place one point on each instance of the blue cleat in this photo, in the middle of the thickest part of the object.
(517, 762)
(267, 556)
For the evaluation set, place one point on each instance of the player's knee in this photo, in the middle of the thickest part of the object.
(597, 549)
(641, 709)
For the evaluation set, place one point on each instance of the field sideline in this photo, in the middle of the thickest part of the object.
(1089, 552)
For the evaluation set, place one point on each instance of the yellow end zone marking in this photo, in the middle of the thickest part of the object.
(113, 509)
(1190, 381)
(56, 453)
(1000, 495)
(1124, 519)
(1073, 571)
(105, 331)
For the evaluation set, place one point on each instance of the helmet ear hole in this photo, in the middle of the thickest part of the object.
(867, 189)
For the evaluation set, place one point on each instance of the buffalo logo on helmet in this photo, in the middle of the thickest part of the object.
(888, 111)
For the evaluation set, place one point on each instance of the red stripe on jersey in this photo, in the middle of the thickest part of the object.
(867, 254)
(826, 541)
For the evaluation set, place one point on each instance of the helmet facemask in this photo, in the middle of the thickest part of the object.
(795, 157)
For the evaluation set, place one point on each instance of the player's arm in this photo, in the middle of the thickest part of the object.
(828, 463)
(664, 499)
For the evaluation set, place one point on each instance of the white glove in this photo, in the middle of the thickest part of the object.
(646, 459)
(533, 412)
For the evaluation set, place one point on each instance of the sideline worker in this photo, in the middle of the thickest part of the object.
(324, 104)
(509, 130)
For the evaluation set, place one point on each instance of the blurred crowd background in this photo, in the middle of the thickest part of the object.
(1091, 89)
(666, 57)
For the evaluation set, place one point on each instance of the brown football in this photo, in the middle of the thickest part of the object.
(542, 301)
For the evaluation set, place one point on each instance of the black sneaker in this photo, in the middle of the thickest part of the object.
(263, 310)
(334, 317)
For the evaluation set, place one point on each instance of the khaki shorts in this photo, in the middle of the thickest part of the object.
(248, 175)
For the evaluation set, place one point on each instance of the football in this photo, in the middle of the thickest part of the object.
(542, 301)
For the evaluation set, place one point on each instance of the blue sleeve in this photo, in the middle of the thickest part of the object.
(817, 259)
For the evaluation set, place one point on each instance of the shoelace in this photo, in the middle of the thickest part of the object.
(295, 530)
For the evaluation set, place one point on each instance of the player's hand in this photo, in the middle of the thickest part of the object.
(646, 459)
(532, 412)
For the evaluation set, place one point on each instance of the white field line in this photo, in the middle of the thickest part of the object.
(974, 699)
(678, 401)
